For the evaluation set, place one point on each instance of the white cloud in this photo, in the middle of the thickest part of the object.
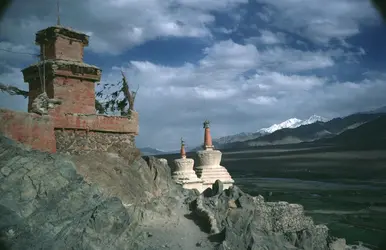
(211, 5)
(114, 25)
(268, 37)
(239, 87)
(276, 82)
(320, 21)
(216, 88)
(215, 94)
(293, 60)
(263, 100)
(230, 56)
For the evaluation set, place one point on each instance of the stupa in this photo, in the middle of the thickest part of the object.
(209, 169)
(184, 173)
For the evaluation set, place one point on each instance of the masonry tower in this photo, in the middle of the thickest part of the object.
(62, 75)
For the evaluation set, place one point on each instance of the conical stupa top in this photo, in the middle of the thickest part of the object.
(207, 137)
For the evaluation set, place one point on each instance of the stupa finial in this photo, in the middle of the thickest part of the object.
(207, 137)
(57, 13)
(206, 124)
(182, 151)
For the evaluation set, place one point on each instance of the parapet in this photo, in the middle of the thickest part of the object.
(84, 132)
(61, 43)
(98, 123)
(57, 67)
(51, 33)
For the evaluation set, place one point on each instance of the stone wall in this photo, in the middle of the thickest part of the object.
(70, 133)
(82, 141)
(30, 129)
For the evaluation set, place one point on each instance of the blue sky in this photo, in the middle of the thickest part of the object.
(242, 64)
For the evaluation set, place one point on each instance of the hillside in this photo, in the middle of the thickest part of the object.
(94, 201)
(306, 133)
(106, 201)
(372, 132)
(150, 151)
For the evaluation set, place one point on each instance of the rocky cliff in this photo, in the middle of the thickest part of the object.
(121, 201)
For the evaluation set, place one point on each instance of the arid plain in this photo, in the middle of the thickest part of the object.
(342, 187)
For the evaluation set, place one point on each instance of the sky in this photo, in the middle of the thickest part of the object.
(242, 64)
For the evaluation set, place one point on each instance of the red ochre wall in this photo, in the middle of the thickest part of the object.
(37, 131)
(31, 129)
(78, 96)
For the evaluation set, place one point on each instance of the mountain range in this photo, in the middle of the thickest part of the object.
(310, 132)
(315, 128)
(292, 123)
(151, 151)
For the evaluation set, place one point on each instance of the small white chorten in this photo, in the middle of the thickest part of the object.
(209, 169)
(184, 173)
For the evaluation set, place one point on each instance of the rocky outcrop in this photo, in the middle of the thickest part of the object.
(237, 220)
(46, 204)
(119, 201)
(240, 221)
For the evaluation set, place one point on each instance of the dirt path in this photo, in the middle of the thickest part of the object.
(176, 232)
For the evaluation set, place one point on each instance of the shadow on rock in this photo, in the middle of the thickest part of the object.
(219, 237)
(382, 245)
(3, 246)
(200, 222)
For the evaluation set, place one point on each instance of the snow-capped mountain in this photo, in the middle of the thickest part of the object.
(240, 137)
(292, 123)
(313, 119)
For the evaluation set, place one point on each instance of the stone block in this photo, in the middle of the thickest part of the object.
(81, 142)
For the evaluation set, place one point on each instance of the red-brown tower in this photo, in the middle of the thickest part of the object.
(63, 76)
(61, 72)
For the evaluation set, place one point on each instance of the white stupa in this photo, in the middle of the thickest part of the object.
(209, 169)
(184, 173)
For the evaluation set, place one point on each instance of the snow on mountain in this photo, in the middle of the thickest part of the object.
(313, 119)
(290, 123)
(293, 123)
